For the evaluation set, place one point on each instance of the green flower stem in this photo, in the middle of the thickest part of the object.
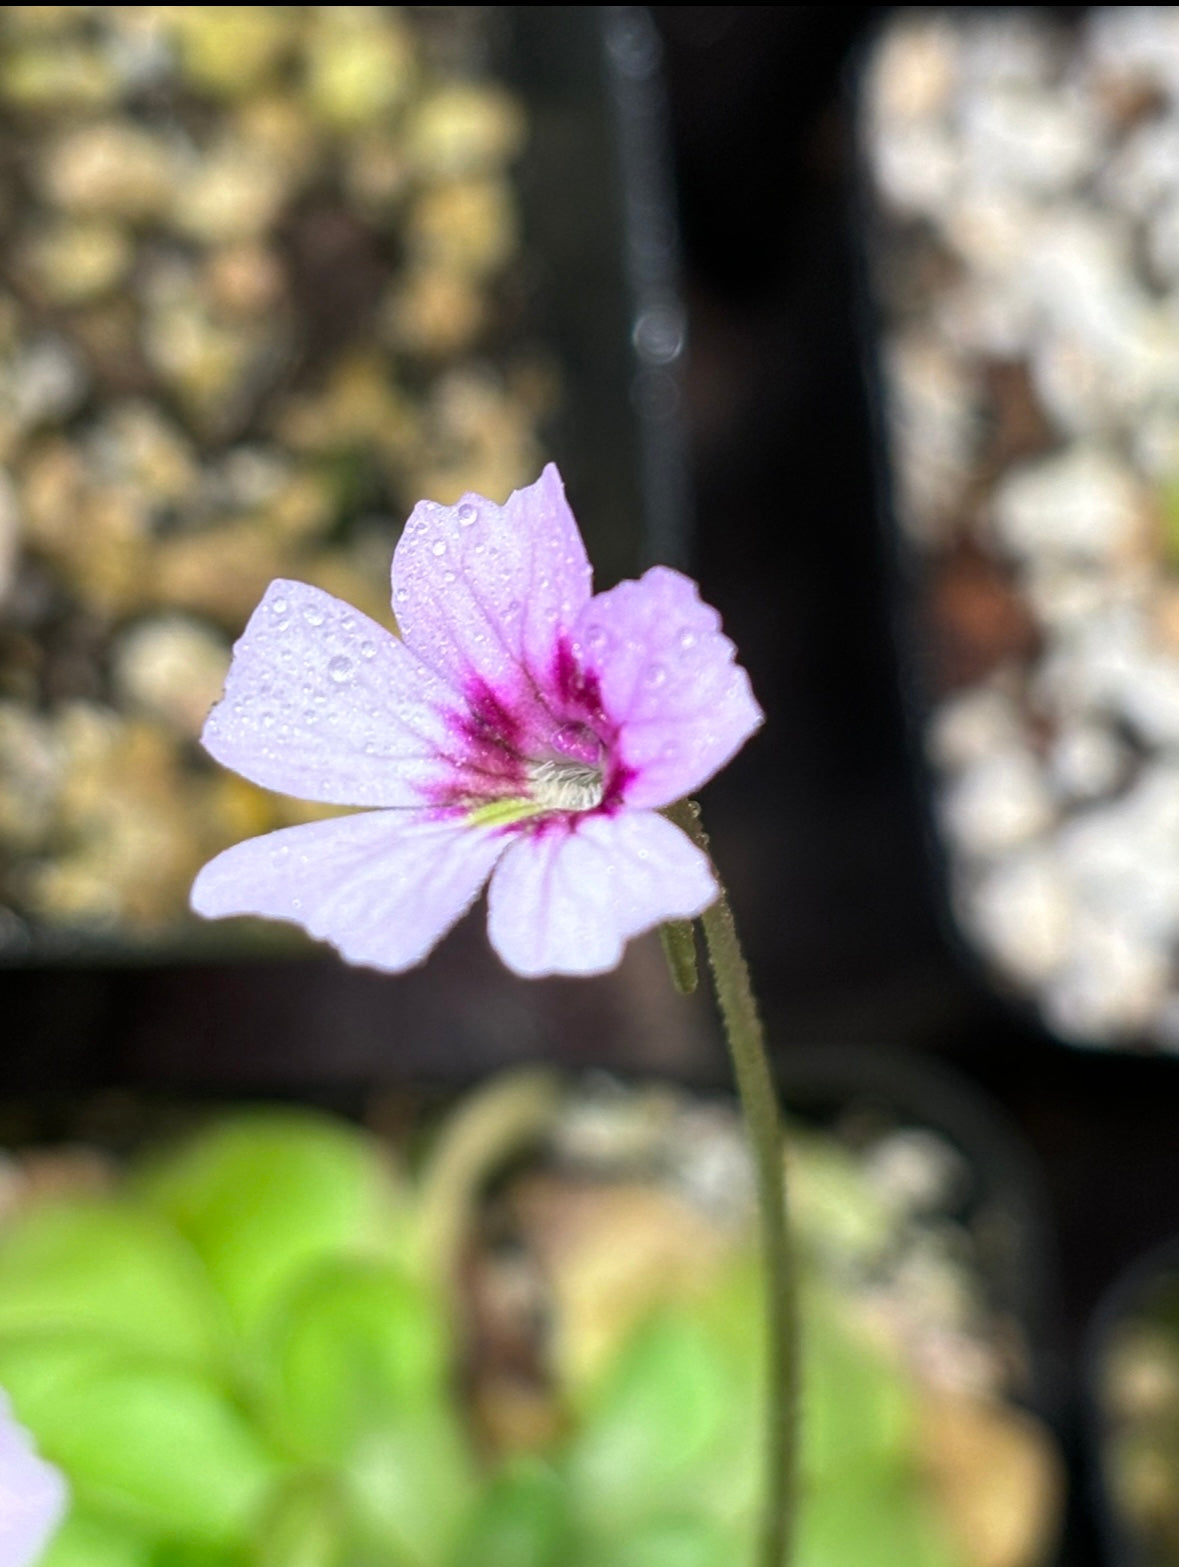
(679, 948)
(759, 1101)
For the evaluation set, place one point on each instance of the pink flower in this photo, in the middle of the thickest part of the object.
(33, 1496)
(518, 730)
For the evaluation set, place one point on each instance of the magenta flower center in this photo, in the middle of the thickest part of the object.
(545, 745)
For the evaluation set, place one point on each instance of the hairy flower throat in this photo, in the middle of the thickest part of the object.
(552, 786)
(566, 786)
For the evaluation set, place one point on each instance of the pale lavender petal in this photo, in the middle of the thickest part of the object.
(383, 887)
(323, 703)
(483, 592)
(566, 901)
(668, 679)
(33, 1496)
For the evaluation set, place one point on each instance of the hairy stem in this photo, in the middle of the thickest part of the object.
(759, 1101)
(679, 948)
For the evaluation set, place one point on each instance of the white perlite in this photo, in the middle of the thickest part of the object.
(1034, 399)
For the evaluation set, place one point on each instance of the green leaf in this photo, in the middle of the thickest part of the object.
(86, 1541)
(34, 1367)
(658, 1421)
(110, 1269)
(522, 1520)
(411, 1485)
(155, 1445)
(266, 1197)
(186, 1553)
(872, 1520)
(359, 1345)
(672, 1542)
(857, 1399)
(306, 1526)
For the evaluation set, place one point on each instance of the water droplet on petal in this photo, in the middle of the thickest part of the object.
(340, 669)
(313, 615)
(279, 606)
(597, 637)
(401, 595)
(654, 676)
(438, 547)
(467, 514)
(368, 650)
(686, 639)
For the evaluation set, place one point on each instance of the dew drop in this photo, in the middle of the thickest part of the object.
(401, 595)
(296, 903)
(279, 606)
(368, 650)
(340, 669)
(438, 547)
(467, 514)
(686, 639)
(597, 637)
(313, 615)
(654, 676)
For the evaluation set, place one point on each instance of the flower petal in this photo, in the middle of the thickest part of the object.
(322, 703)
(482, 592)
(33, 1495)
(668, 679)
(383, 887)
(566, 901)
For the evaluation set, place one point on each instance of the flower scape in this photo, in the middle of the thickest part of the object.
(520, 729)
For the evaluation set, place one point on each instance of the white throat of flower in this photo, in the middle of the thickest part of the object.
(566, 786)
(552, 786)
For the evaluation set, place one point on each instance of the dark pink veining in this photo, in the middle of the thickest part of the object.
(500, 733)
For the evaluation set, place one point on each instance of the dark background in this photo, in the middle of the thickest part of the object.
(819, 825)
(823, 822)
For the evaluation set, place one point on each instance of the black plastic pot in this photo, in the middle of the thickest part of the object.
(213, 1008)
